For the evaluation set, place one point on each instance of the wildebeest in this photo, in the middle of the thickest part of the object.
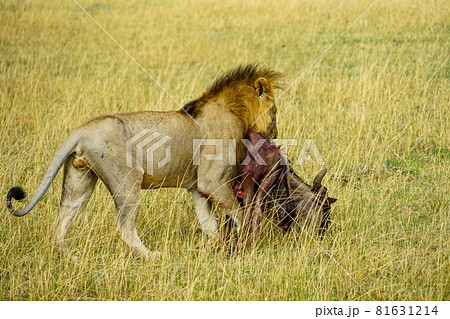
(268, 182)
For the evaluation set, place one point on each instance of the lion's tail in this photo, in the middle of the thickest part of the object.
(18, 193)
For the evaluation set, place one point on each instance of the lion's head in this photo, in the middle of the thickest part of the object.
(248, 93)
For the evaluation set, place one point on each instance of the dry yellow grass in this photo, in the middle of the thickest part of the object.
(376, 105)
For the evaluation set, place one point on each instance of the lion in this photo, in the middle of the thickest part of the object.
(239, 101)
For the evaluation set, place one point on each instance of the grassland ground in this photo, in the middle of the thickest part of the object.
(376, 105)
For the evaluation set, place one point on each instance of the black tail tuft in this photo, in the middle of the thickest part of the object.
(17, 193)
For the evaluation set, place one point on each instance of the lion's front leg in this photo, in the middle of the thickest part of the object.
(205, 215)
(214, 184)
(221, 194)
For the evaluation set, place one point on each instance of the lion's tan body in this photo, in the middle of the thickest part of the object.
(99, 149)
(107, 136)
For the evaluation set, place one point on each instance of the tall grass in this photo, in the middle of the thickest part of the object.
(376, 106)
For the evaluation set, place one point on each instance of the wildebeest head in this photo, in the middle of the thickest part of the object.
(311, 204)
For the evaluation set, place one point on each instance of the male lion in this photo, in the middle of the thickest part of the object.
(239, 101)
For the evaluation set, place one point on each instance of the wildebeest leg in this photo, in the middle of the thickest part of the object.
(259, 202)
(78, 186)
(244, 232)
(227, 229)
(205, 215)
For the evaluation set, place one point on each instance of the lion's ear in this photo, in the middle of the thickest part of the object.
(262, 87)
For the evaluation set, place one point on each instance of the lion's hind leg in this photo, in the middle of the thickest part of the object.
(128, 209)
(124, 184)
(125, 191)
(78, 185)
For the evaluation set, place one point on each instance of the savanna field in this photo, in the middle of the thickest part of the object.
(376, 105)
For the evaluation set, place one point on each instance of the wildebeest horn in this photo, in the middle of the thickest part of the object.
(318, 179)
